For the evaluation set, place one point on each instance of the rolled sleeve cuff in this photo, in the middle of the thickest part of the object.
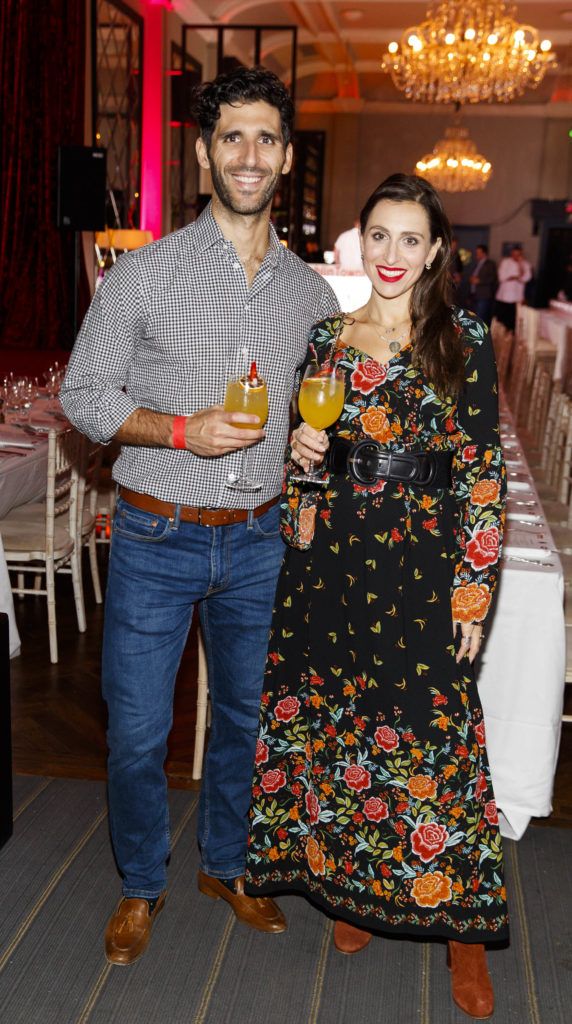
(102, 416)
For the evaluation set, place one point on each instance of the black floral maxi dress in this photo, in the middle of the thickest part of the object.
(372, 793)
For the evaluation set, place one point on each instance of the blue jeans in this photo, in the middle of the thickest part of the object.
(159, 569)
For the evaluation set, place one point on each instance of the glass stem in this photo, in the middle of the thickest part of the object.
(244, 464)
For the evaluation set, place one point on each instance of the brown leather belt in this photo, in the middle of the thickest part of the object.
(191, 514)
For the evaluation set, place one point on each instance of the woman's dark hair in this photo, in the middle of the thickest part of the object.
(242, 85)
(436, 346)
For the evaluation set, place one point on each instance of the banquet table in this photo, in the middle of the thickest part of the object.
(522, 669)
(555, 324)
(23, 478)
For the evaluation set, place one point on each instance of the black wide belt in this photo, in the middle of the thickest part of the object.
(368, 461)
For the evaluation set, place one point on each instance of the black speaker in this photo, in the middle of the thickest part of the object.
(81, 188)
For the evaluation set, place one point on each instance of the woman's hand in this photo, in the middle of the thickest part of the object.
(308, 444)
(471, 639)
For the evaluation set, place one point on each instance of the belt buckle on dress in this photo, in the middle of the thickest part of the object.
(362, 447)
(431, 473)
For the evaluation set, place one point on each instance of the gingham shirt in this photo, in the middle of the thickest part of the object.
(166, 329)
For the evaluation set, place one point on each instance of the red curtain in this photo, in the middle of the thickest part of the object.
(42, 69)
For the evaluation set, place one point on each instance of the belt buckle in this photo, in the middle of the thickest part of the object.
(362, 447)
(431, 473)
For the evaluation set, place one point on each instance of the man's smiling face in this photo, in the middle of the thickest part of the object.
(246, 156)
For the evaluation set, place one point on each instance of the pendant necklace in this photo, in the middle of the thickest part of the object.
(393, 341)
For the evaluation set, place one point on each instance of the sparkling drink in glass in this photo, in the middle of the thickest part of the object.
(320, 403)
(247, 393)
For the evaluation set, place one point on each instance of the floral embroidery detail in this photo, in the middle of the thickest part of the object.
(261, 756)
(471, 603)
(428, 840)
(357, 778)
(316, 859)
(376, 424)
(367, 376)
(273, 780)
(421, 787)
(375, 809)
(287, 709)
(432, 889)
(490, 813)
(386, 738)
(485, 492)
(483, 548)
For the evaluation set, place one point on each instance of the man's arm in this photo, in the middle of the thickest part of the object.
(93, 395)
(208, 433)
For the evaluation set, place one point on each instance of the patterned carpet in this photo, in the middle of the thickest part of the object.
(58, 885)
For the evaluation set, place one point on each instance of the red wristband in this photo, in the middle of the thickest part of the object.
(179, 423)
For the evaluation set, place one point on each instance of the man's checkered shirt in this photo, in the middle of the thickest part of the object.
(166, 329)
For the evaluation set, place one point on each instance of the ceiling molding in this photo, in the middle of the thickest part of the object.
(545, 111)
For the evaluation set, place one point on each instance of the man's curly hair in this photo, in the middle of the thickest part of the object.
(242, 85)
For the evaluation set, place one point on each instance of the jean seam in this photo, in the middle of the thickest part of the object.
(204, 618)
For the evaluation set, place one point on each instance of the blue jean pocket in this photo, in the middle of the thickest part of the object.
(137, 524)
(268, 525)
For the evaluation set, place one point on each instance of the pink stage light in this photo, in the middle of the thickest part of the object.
(152, 141)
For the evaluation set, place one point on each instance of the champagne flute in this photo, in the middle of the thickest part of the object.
(247, 393)
(320, 403)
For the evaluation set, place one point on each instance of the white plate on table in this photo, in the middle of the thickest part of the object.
(524, 517)
(518, 485)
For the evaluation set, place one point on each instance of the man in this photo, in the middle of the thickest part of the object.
(347, 249)
(165, 330)
(483, 282)
(514, 272)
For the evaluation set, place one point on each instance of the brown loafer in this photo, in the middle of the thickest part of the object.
(259, 912)
(129, 930)
(349, 939)
(471, 984)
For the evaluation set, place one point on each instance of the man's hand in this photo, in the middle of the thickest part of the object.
(213, 431)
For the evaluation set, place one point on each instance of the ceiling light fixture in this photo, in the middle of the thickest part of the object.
(468, 51)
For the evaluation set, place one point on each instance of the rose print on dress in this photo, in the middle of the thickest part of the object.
(287, 709)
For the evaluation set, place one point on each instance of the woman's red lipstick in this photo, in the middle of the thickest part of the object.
(390, 274)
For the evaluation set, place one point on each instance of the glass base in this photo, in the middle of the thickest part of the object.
(309, 478)
(244, 483)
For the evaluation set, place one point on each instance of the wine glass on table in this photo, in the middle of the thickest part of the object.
(320, 403)
(247, 393)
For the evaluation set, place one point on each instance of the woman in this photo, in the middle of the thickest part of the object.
(372, 792)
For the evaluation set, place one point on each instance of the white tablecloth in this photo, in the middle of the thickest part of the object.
(521, 678)
(23, 478)
(556, 326)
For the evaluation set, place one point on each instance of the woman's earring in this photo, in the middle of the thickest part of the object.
(428, 266)
(362, 256)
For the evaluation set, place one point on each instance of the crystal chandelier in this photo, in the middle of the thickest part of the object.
(454, 165)
(468, 51)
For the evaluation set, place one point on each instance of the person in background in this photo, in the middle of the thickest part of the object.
(483, 284)
(165, 331)
(456, 271)
(347, 251)
(372, 793)
(513, 274)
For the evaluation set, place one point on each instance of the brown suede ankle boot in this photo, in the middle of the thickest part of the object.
(348, 938)
(471, 985)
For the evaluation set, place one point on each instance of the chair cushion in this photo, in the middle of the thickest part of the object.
(30, 538)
